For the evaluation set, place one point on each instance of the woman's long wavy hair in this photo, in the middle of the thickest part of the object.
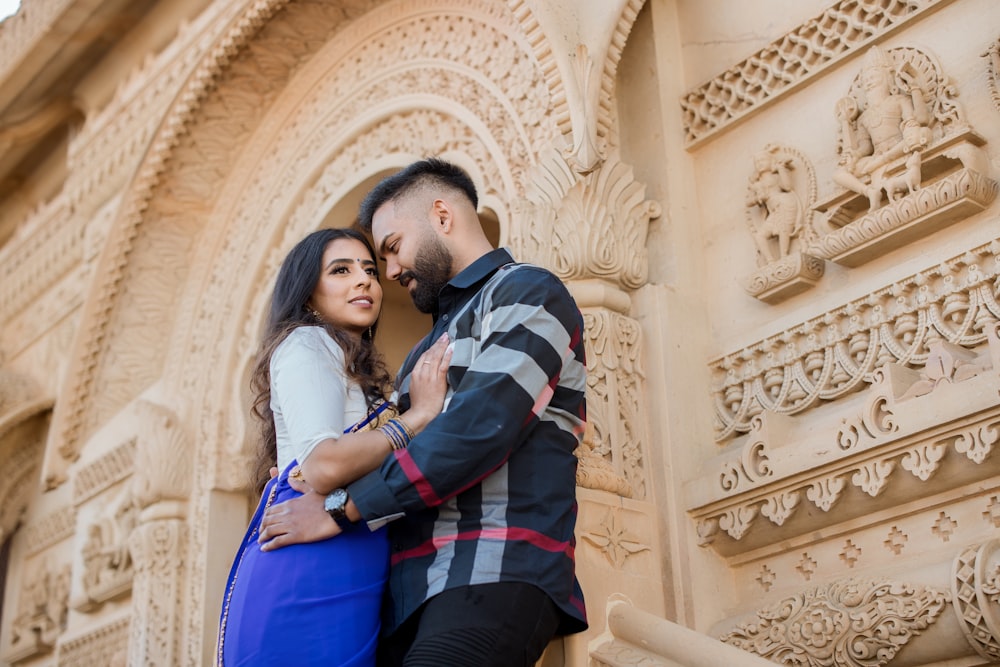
(297, 280)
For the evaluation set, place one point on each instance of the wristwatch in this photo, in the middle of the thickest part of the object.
(335, 505)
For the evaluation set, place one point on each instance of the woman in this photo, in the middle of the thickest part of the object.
(320, 385)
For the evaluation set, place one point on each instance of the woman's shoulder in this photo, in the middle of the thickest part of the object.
(309, 340)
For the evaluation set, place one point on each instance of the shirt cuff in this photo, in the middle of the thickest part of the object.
(374, 500)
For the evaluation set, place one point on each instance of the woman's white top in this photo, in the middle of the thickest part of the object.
(312, 398)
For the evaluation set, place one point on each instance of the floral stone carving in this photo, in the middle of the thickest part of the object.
(975, 589)
(908, 160)
(852, 623)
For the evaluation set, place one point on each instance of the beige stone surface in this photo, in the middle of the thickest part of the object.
(792, 316)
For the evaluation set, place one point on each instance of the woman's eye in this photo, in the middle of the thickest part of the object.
(372, 272)
(339, 269)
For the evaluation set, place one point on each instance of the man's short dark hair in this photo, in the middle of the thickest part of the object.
(432, 171)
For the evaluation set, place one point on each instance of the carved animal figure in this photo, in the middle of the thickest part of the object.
(907, 182)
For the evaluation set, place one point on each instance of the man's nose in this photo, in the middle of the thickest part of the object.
(392, 269)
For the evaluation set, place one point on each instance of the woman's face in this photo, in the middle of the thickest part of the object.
(348, 294)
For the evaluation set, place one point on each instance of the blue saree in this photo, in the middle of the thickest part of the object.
(305, 604)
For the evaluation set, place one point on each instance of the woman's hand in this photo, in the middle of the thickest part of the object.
(428, 384)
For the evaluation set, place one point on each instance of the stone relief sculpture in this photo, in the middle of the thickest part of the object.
(772, 195)
(780, 193)
(901, 132)
(887, 119)
(852, 623)
(42, 612)
(107, 561)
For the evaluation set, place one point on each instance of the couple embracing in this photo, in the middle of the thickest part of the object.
(436, 528)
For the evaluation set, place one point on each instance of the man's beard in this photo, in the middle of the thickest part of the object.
(432, 271)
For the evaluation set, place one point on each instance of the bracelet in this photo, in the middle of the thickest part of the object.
(398, 433)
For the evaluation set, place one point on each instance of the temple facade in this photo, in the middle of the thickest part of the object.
(779, 219)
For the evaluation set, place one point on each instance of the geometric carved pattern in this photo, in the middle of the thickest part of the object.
(974, 596)
(50, 529)
(788, 62)
(831, 356)
(852, 623)
(825, 486)
(613, 539)
(112, 467)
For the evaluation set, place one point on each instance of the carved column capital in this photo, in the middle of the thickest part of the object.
(591, 226)
(163, 457)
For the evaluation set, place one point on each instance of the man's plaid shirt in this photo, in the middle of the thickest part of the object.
(489, 487)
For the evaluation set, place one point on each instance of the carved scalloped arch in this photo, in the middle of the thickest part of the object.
(164, 222)
(543, 52)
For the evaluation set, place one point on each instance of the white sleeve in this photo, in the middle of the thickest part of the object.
(309, 387)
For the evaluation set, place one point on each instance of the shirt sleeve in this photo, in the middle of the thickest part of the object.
(531, 335)
(309, 387)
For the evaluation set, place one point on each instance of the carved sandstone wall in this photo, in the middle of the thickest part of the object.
(786, 265)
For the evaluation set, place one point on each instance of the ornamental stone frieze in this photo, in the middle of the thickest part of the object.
(106, 646)
(909, 162)
(791, 61)
(780, 195)
(832, 356)
(41, 611)
(896, 436)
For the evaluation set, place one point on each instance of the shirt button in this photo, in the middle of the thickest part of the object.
(445, 317)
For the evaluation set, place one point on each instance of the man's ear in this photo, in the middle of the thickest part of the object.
(441, 215)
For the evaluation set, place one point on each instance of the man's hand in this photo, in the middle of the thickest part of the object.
(296, 521)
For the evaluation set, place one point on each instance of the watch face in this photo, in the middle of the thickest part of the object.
(335, 501)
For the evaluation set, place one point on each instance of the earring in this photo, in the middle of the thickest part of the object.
(371, 334)
(315, 313)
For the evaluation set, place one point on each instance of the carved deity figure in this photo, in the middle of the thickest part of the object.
(780, 213)
(887, 121)
(43, 608)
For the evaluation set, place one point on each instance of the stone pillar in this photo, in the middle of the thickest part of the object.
(159, 541)
(590, 228)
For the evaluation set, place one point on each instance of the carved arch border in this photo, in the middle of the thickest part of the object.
(20, 405)
(581, 96)
(198, 143)
(200, 157)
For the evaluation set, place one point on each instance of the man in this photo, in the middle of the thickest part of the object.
(482, 568)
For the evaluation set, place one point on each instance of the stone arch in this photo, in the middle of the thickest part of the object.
(167, 219)
(24, 420)
(297, 106)
(581, 78)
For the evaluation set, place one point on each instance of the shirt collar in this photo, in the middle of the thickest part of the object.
(470, 276)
